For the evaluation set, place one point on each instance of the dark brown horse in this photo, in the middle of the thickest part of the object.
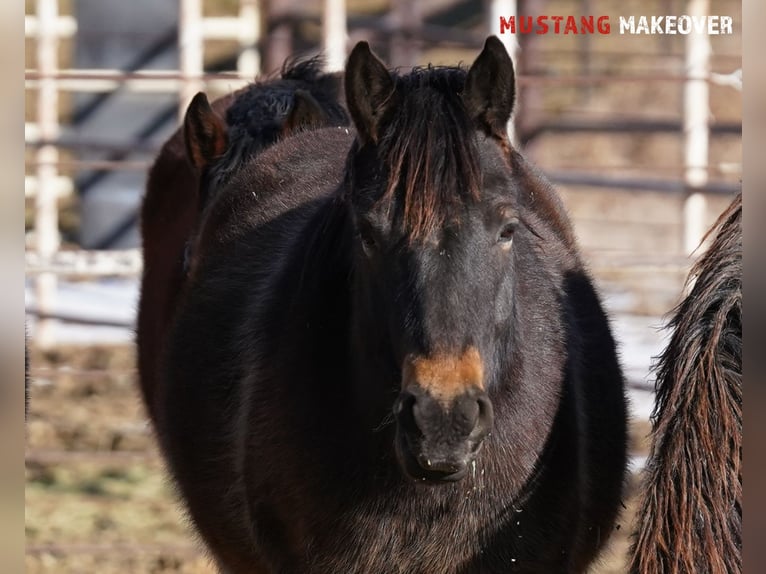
(390, 357)
(690, 518)
(214, 141)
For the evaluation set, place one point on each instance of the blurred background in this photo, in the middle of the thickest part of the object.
(641, 133)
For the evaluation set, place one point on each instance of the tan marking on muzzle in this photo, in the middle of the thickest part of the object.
(445, 376)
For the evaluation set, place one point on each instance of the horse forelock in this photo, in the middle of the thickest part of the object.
(429, 147)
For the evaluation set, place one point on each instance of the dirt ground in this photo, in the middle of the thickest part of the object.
(97, 496)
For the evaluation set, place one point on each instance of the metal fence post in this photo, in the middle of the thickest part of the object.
(334, 34)
(505, 8)
(696, 129)
(190, 52)
(249, 61)
(46, 201)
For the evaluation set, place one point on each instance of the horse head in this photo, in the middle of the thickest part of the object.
(431, 197)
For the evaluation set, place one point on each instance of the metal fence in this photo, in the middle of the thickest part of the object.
(46, 140)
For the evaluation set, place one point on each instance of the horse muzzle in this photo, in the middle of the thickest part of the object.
(437, 440)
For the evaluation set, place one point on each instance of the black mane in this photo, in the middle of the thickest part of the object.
(256, 117)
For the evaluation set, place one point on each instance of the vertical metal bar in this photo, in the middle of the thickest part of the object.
(249, 61)
(279, 35)
(586, 44)
(190, 52)
(696, 129)
(527, 117)
(404, 45)
(46, 201)
(506, 9)
(334, 34)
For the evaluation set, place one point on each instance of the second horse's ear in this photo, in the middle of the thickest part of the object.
(369, 91)
(304, 113)
(205, 135)
(490, 88)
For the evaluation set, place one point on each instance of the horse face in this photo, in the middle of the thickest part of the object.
(432, 201)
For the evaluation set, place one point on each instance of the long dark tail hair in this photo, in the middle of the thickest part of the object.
(690, 516)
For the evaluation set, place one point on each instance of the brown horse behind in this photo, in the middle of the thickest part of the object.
(691, 513)
(211, 145)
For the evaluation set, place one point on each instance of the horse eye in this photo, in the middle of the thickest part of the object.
(506, 232)
(367, 239)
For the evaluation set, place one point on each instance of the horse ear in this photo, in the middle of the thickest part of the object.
(205, 133)
(369, 87)
(490, 88)
(305, 112)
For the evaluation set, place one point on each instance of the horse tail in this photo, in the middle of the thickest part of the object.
(690, 515)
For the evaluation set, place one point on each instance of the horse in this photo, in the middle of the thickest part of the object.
(391, 357)
(212, 142)
(690, 514)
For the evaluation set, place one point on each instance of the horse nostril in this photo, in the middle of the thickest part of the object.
(473, 412)
(486, 413)
(404, 410)
(466, 412)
